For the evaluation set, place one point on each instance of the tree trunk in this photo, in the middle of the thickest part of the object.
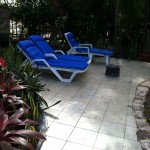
(116, 32)
(4, 27)
(145, 40)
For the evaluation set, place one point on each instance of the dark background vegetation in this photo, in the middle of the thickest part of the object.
(121, 25)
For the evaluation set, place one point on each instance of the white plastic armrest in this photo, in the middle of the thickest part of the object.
(59, 51)
(88, 51)
(51, 55)
(70, 51)
(89, 45)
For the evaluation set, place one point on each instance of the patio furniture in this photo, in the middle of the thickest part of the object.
(77, 48)
(40, 61)
(112, 70)
(47, 50)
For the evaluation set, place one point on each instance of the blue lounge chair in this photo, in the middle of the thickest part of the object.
(77, 48)
(47, 50)
(40, 61)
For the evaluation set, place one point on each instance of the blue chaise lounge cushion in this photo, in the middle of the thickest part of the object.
(34, 53)
(46, 48)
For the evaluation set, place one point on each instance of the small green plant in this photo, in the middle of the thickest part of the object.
(30, 77)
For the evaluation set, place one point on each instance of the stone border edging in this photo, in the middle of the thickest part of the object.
(143, 133)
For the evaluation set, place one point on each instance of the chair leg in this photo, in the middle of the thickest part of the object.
(107, 60)
(63, 79)
(90, 55)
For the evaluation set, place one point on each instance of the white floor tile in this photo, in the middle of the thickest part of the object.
(130, 133)
(74, 108)
(107, 142)
(84, 137)
(60, 131)
(133, 145)
(68, 118)
(89, 123)
(131, 121)
(115, 117)
(53, 144)
(80, 101)
(73, 146)
(92, 113)
(118, 109)
(113, 129)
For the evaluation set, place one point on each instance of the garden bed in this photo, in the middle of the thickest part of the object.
(141, 105)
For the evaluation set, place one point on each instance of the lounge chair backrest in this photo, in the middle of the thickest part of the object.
(41, 44)
(71, 40)
(31, 50)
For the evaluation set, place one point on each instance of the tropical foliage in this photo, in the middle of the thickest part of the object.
(19, 91)
(13, 110)
(29, 77)
(122, 23)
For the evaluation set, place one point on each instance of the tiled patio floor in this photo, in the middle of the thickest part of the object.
(96, 110)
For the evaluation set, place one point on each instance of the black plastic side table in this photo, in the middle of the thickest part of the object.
(112, 70)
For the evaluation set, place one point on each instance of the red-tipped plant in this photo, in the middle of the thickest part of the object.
(13, 110)
(2, 63)
(10, 136)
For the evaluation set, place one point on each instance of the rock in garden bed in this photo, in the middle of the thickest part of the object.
(141, 107)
